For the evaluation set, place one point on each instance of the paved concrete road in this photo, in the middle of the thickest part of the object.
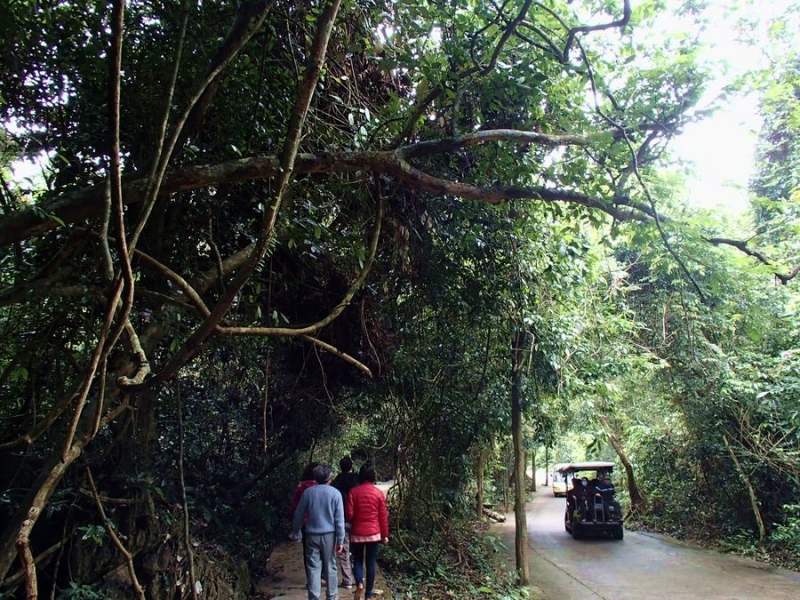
(640, 567)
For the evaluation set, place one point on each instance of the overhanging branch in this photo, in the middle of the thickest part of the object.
(742, 246)
(88, 203)
(496, 194)
(620, 23)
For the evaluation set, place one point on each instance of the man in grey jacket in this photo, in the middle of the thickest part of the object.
(324, 532)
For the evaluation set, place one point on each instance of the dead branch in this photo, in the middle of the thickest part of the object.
(496, 516)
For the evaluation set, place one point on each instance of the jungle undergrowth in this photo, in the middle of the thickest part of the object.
(458, 562)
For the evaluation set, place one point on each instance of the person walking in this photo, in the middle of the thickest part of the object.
(322, 506)
(345, 481)
(369, 522)
(306, 481)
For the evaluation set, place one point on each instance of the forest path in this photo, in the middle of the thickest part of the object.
(643, 565)
(286, 577)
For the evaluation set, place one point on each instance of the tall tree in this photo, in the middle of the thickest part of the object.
(279, 187)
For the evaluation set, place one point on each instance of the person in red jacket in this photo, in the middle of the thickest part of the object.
(306, 481)
(369, 527)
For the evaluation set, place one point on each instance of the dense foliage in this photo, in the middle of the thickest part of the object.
(273, 232)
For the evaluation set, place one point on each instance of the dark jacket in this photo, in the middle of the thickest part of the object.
(344, 482)
(605, 490)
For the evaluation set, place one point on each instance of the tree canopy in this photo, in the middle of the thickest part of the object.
(270, 232)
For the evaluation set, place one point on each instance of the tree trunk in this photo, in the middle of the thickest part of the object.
(507, 481)
(18, 529)
(482, 460)
(751, 492)
(637, 499)
(533, 470)
(520, 518)
(546, 465)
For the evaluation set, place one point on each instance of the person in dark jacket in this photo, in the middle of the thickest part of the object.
(572, 496)
(606, 490)
(345, 481)
(369, 520)
(585, 495)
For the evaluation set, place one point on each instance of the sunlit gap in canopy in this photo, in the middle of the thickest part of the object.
(28, 174)
(719, 150)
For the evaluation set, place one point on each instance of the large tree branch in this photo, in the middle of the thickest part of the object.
(742, 246)
(496, 194)
(499, 135)
(620, 23)
(305, 93)
(88, 203)
(437, 89)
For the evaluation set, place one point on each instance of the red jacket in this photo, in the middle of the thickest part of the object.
(298, 491)
(366, 511)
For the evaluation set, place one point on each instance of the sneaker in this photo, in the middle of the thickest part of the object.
(348, 586)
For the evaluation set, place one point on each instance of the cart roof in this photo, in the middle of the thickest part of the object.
(592, 465)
